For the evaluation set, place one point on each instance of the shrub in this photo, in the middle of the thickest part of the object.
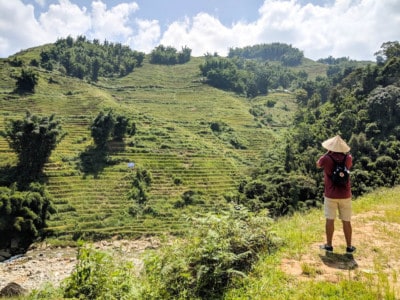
(141, 181)
(27, 81)
(23, 214)
(218, 250)
(96, 276)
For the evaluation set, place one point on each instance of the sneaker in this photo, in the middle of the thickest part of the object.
(350, 250)
(326, 248)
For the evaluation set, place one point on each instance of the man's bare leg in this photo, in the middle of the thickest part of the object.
(347, 230)
(329, 229)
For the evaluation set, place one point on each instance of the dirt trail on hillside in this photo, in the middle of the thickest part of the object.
(377, 253)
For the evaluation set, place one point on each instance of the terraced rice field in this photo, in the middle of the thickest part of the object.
(173, 111)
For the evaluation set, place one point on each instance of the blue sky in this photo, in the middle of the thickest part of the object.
(351, 28)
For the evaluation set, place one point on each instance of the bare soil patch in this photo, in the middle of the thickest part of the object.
(42, 264)
(377, 253)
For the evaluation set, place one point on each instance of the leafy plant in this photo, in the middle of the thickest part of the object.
(218, 251)
(141, 181)
(96, 276)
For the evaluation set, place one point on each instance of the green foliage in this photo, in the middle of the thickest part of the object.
(189, 198)
(16, 62)
(223, 73)
(141, 182)
(107, 126)
(33, 139)
(169, 56)
(27, 81)
(388, 51)
(96, 276)
(278, 192)
(219, 251)
(364, 113)
(383, 106)
(244, 76)
(226, 134)
(102, 128)
(23, 214)
(84, 59)
(284, 53)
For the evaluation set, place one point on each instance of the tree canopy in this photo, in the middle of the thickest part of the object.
(85, 59)
(163, 55)
(360, 104)
(33, 139)
(23, 214)
(27, 81)
(245, 76)
(107, 125)
(283, 53)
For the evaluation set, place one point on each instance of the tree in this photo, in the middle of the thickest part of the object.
(95, 69)
(102, 128)
(120, 127)
(169, 56)
(27, 81)
(388, 50)
(33, 139)
(107, 126)
(384, 107)
(23, 214)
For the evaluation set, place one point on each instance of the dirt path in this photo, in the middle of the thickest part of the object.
(377, 253)
(41, 264)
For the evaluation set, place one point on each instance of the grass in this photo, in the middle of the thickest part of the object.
(372, 273)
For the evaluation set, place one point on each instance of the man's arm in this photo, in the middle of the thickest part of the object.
(319, 163)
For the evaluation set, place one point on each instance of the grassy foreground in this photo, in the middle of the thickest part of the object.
(299, 270)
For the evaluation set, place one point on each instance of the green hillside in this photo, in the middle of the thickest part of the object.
(173, 110)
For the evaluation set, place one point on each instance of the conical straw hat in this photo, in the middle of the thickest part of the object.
(336, 144)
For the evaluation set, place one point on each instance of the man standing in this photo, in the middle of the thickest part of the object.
(336, 197)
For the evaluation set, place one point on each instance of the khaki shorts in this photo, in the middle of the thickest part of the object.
(341, 205)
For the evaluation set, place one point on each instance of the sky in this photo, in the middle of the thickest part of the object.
(320, 28)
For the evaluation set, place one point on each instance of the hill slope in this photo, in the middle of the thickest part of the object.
(173, 111)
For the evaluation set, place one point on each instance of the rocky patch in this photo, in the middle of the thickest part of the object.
(42, 264)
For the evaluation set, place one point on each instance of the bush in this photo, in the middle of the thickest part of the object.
(27, 81)
(96, 276)
(218, 250)
(141, 182)
(23, 214)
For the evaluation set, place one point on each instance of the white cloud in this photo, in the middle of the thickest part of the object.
(204, 34)
(18, 27)
(112, 24)
(65, 19)
(354, 28)
(147, 36)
